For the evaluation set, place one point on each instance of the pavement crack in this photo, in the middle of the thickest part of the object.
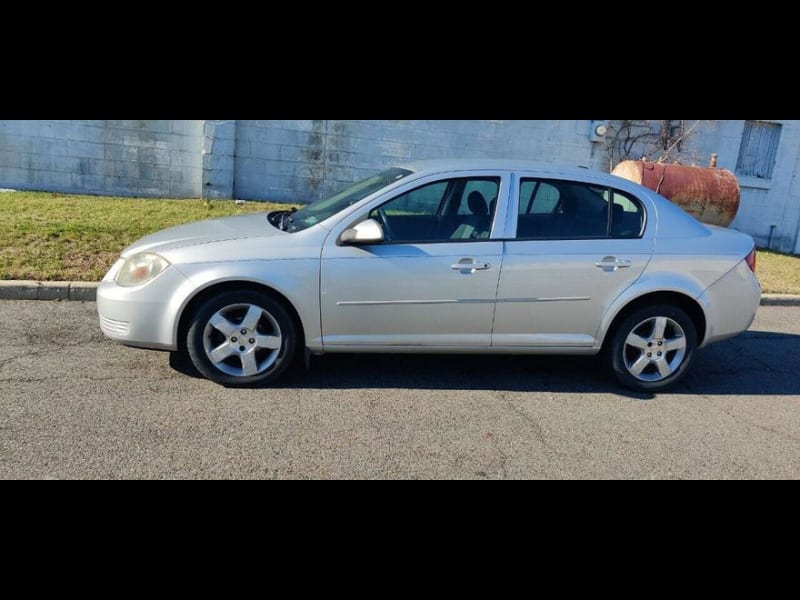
(503, 456)
(538, 431)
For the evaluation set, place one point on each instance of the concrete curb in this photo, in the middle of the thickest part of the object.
(48, 290)
(87, 290)
(779, 300)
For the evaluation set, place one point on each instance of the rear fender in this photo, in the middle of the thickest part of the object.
(648, 284)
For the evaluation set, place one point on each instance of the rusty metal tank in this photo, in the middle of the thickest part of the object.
(709, 194)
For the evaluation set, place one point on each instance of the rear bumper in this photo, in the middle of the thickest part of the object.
(731, 304)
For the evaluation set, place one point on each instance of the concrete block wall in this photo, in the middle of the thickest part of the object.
(298, 160)
(126, 157)
(304, 160)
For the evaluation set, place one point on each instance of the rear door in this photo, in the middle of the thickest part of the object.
(571, 253)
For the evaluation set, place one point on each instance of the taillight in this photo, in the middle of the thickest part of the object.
(751, 260)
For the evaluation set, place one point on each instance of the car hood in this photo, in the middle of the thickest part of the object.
(205, 232)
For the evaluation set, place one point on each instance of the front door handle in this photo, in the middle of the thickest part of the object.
(470, 265)
(612, 263)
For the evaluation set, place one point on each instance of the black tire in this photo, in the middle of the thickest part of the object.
(246, 325)
(646, 362)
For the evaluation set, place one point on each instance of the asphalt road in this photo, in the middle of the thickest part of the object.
(75, 405)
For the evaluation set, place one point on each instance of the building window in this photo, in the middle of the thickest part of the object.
(758, 150)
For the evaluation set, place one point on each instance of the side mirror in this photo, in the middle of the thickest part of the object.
(366, 232)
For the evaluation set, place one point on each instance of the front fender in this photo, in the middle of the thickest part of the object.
(295, 279)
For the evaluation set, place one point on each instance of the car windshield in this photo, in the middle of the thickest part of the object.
(316, 212)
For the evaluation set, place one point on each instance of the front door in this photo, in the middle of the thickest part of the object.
(431, 283)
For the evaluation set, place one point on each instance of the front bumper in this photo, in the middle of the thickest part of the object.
(145, 316)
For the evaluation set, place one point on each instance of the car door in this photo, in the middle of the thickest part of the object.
(432, 282)
(570, 254)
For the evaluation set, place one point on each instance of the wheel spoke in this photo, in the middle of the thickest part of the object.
(270, 342)
(249, 364)
(660, 327)
(637, 367)
(663, 367)
(222, 325)
(675, 344)
(636, 341)
(252, 318)
(220, 353)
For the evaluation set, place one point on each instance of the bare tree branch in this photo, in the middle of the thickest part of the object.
(648, 139)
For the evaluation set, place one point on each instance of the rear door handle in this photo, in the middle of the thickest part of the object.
(612, 263)
(471, 265)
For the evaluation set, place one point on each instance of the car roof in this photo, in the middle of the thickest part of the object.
(476, 164)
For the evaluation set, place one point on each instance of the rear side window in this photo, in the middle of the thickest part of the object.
(627, 216)
(557, 209)
(538, 197)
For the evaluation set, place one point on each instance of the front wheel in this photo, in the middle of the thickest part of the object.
(242, 338)
(653, 347)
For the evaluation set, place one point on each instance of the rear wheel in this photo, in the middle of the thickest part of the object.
(242, 338)
(653, 347)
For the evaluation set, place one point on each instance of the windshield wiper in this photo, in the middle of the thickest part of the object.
(286, 219)
(281, 218)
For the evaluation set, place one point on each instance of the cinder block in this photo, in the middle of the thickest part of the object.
(153, 190)
(10, 159)
(52, 179)
(158, 156)
(11, 177)
(10, 127)
(291, 138)
(184, 190)
(156, 126)
(91, 166)
(114, 151)
(88, 183)
(291, 153)
(162, 173)
(181, 159)
(218, 162)
(86, 149)
(247, 132)
(223, 146)
(73, 131)
(125, 186)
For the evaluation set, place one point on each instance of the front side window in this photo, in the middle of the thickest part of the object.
(457, 209)
(319, 211)
(557, 210)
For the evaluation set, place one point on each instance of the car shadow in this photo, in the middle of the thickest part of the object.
(754, 363)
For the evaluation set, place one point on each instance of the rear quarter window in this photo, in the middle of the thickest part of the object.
(627, 216)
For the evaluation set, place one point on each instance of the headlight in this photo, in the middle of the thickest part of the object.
(140, 268)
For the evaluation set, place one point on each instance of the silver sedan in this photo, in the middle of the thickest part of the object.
(441, 257)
